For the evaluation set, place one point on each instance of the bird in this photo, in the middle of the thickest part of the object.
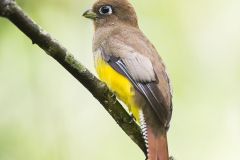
(131, 67)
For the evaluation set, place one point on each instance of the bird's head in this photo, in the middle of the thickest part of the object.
(110, 12)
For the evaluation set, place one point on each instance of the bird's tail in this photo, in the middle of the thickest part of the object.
(156, 141)
(157, 146)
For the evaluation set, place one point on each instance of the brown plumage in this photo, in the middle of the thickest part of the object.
(119, 42)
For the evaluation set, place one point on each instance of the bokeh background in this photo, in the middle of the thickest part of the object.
(45, 114)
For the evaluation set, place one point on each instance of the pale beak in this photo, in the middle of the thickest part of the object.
(90, 14)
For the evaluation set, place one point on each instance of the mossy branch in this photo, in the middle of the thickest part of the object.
(10, 10)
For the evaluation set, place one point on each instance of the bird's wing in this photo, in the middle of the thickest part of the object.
(139, 70)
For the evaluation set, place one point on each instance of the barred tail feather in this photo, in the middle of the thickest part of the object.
(156, 144)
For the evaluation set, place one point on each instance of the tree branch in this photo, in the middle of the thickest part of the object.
(10, 10)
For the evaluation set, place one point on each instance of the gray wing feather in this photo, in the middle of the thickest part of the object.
(147, 86)
(139, 67)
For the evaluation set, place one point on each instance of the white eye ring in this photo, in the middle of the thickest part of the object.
(105, 10)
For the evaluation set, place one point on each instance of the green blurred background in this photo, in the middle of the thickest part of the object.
(45, 114)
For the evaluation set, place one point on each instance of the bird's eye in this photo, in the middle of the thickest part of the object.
(105, 10)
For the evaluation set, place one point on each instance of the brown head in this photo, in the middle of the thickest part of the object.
(110, 12)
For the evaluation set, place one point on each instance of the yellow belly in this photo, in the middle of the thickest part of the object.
(119, 84)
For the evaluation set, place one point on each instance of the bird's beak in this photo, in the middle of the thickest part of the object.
(90, 14)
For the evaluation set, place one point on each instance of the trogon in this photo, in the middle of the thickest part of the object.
(132, 68)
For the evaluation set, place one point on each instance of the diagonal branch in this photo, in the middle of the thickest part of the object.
(10, 10)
